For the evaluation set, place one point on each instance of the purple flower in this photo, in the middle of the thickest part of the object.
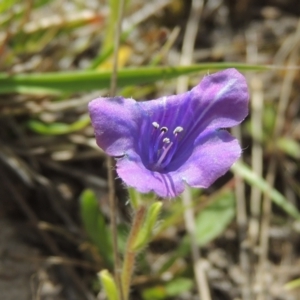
(162, 144)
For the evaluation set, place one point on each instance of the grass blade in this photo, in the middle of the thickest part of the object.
(59, 82)
(245, 172)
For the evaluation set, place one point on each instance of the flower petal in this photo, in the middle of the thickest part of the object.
(220, 100)
(201, 151)
(212, 157)
(133, 172)
(116, 124)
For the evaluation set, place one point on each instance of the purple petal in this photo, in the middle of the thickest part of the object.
(115, 122)
(220, 100)
(212, 156)
(174, 140)
(134, 173)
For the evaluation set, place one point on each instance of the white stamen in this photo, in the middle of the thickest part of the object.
(164, 129)
(155, 124)
(178, 129)
(164, 154)
(166, 140)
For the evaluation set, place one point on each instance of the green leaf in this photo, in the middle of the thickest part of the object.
(145, 233)
(95, 226)
(269, 118)
(214, 219)
(152, 216)
(292, 284)
(59, 82)
(171, 289)
(183, 249)
(157, 292)
(179, 286)
(114, 7)
(107, 48)
(58, 128)
(134, 197)
(104, 55)
(245, 172)
(209, 224)
(289, 146)
(5, 5)
(109, 285)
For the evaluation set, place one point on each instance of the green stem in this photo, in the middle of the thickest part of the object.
(131, 253)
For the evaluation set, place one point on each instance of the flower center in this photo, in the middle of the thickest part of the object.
(162, 146)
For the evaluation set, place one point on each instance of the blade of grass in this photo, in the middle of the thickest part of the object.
(245, 172)
(54, 83)
(114, 6)
(58, 128)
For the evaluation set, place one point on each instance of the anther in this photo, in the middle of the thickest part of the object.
(155, 125)
(178, 129)
(166, 140)
(164, 129)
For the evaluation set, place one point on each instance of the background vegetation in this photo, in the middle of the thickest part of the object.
(56, 56)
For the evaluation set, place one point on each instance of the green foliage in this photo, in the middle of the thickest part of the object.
(109, 285)
(289, 146)
(183, 249)
(58, 128)
(214, 219)
(171, 289)
(5, 5)
(178, 286)
(114, 6)
(210, 223)
(134, 197)
(253, 179)
(145, 233)
(265, 135)
(269, 117)
(294, 284)
(95, 226)
(80, 81)
(108, 43)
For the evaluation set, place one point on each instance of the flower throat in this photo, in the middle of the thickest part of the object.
(163, 146)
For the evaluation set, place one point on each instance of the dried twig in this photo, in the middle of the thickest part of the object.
(182, 85)
(110, 162)
(242, 222)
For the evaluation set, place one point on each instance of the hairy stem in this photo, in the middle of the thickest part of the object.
(130, 254)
